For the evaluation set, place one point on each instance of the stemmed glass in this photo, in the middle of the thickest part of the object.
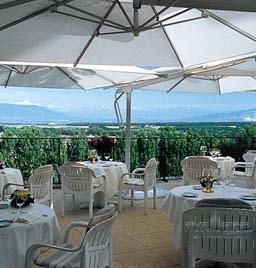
(19, 203)
(107, 156)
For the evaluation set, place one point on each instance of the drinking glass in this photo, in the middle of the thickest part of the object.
(19, 203)
(107, 156)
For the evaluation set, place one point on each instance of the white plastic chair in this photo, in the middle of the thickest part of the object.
(219, 234)
(249, 159)
(95, 250)
(193, 168)
(141, 179)
(40, 184)
(77, 178)
(245, 178)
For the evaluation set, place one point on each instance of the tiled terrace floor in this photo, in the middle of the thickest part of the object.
(138, 240)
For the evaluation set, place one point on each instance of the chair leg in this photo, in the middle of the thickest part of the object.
(154, 196)
(146, 202)
(73, 202)
(91, 208)
(63, 206)
(132, 197)
(120, 201)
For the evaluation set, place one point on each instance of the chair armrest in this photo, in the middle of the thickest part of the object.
(243, 165)
(138, 170)
(29, 260)
(72, 226)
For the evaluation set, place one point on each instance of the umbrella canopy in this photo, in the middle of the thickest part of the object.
(72, 33)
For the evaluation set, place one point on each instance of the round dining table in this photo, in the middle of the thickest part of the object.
(225, 164)
(183, 198)
(35, 224)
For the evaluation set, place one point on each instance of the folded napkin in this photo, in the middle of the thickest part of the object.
(28, 218)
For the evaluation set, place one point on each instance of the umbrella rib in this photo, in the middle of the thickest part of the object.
(170, 42)
(230, 25)
(170, 17)
(8, 78)
(124, 12)
(86, 19)
(158, 14)
(94, 34)
(70, 77)
(33, 14)
(176, 84)
(94, 15)
(171, 23)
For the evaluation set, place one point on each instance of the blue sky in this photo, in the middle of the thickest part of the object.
(76, 100)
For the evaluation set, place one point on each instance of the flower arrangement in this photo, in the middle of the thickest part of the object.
(93, 157)
(21, 196)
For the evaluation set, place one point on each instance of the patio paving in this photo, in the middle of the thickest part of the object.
(138, 240)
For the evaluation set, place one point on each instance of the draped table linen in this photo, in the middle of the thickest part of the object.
(41, 227)
(175, 204)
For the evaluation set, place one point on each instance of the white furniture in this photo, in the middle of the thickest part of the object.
(141, 179)
(42, 227)
(79, 178)
(193, 168)
(112, 171)
(245, 178)
(95, 250)
(219, 234)
(175, 204)
(40, 184)
(225, 164)
(10, 175)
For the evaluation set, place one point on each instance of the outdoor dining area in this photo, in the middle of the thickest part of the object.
(94, 217)
(207, 219)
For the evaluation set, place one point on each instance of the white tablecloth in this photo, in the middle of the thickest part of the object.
(10, 175)
(112, 171)
(225, 164)
(18, 237)
(175, 204)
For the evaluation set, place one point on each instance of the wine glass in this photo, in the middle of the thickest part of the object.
(19, 203)
(203, 149)
(107, 156)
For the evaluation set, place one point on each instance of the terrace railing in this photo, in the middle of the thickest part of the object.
(28, 153)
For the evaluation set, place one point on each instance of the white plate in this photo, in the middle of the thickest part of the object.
(198, 187)
(248, 197)
(189, 194)
(4, 223)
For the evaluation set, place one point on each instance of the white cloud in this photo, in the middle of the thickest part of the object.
(26, 102)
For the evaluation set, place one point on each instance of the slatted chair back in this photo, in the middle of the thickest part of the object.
(75, 177)
(193, 168)
(98, 245)
(150, 173)
(219, 234)
(40, 184)
(249, 157)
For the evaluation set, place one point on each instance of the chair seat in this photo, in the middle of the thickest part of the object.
(96, 185)
(57, 258)
(134, 181)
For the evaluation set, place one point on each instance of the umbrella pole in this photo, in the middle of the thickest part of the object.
(128, 130)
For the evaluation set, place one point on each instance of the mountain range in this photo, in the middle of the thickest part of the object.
(22, 114)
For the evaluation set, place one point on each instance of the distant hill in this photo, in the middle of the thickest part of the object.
(237, 116)
(15, 113)
(22, 114)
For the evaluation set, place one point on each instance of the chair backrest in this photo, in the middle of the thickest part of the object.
(194, 166)
(40, 184)
(249, 157)
(220, 234)
(76, 177)
(150, 173)
(223, 203)
(97, 243)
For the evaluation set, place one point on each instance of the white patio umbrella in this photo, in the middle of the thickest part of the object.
(99, 35)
